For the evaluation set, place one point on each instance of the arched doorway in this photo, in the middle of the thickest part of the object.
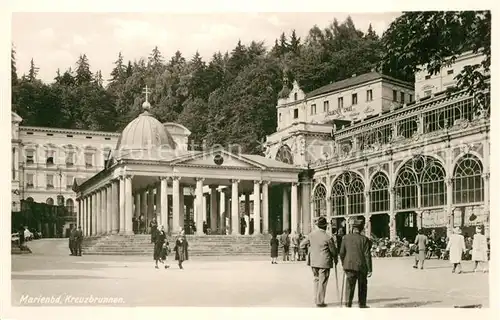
(379, 206)
(348, 199)
(419, 185)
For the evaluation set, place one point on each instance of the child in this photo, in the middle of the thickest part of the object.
(165, 250)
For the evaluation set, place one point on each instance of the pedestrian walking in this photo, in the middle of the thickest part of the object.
(274, 249)
(181, 249)
(480, 249)
(421, 241)
(355, 254)
(78, 241)
(153, 227)
(72, 238)
(456, 248)
(295, 241)
(321, 258)
(285, 242)
(159, 238)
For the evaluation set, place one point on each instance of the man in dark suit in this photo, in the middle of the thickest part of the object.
(78, 241)
(72, 239)
(322, 255)
(285, 242)
(357, 263)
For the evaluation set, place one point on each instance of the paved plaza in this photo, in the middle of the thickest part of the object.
(230, 282)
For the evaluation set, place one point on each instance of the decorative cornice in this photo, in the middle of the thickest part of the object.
(70, 131)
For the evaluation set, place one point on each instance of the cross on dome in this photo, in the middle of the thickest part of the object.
(146, 105)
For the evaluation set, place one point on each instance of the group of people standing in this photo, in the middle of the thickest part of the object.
(323, 252)
(290, 242)
(75, 241)
(162, 249)
(456, 249)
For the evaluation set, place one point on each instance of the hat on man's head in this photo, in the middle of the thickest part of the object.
(358, 224)
(322, 222)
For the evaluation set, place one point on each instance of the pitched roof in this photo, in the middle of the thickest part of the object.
(269, 163)
(353, 81)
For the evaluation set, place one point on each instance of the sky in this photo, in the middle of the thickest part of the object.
(55, 40)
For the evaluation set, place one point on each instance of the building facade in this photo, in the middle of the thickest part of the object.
(421, 164)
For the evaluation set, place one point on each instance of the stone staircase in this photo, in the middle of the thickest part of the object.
(208, 245)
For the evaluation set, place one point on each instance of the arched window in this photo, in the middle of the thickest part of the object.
(379, 193)
(50, 201)
(406, 190)
(70, 206)
(356, 196)
(468, 184)
(30, 199)
(319, 201)
(348, 188)
(433, 185)
(285, 154)
(426, 172)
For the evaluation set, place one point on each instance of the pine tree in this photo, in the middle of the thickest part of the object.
(13, 69)
(33, 72)
(294, 43)
(284, 45)
(371, 34)
(98, 81)
(118, 71)
(83, 73)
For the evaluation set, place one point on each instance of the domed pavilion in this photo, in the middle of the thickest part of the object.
(152, 173)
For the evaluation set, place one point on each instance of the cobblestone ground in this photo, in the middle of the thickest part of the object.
(233, 282)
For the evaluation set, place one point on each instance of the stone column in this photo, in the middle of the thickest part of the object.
(84, 215)
(176, 205)
(87, 215)
(449, 207)
(286, 209)
(256, 207)
(144, 203)
(368, 224)
(222, 211)
(235, 207)
(214, 210)
(158, 204)
(129, 199)
(486, 210)
(265, 207)
(247, 213)
(121, 200)
(115, 207)
(109, 209)
(98, 213)
(151, 207)
(78, 211)
(329, 203)
(137, 204)
(306, 207)
(164, 202)
(392, 216)
(199, 206)
(182, 211)
(295, 210)
(104, 209)
(227, 218)
(95, 206)
(419, 215)
(205, 209)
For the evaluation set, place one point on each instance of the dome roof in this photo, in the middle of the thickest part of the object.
(145, 132)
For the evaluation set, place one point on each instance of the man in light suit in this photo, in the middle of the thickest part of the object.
(322, 255)
(355, 254)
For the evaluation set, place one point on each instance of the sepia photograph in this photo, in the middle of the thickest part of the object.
(273, 159)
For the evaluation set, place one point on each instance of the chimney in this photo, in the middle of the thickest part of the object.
(353, 75)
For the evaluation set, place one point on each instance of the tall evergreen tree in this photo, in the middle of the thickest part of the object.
(33, 72)
(13, 69)
(294, 43)
(83, 73)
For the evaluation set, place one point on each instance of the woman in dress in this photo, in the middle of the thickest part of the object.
(159, 237)
(274, 249)
(181, 249)
(479, 249)
(456, 248)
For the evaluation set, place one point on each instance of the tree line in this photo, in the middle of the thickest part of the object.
(232, 97)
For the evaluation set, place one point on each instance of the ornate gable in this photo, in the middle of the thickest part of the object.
(217, 158)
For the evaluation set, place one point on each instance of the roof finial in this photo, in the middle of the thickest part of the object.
(146, 105)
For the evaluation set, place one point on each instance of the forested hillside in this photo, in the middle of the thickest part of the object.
(232, 97)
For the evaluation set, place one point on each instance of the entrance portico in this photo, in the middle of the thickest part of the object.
(149, 174)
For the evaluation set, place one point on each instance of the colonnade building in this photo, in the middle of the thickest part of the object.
(378, 154)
